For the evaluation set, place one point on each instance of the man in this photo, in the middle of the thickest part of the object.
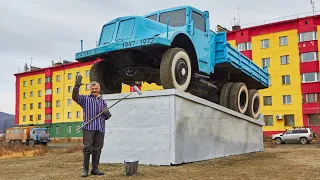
(93, 133)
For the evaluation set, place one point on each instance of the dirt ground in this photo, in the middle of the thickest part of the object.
(280, 162)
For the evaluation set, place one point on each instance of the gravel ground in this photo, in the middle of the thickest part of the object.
(301, 162)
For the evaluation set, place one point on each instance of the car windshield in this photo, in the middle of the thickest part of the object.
(176, 18)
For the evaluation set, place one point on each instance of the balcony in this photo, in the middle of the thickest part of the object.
(48, 97)
(247, 53)
(312, 87)
(311, 108)
(308, 67)
(48, 110)
(308, 46)
(48, 85)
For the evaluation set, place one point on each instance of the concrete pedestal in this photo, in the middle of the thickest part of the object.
(171, 127)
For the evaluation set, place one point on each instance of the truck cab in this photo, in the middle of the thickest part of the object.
(39, 136)
(175, 48)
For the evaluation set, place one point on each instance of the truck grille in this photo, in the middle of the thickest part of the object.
(125, 29)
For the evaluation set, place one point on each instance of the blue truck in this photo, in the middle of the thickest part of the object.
(175, 48)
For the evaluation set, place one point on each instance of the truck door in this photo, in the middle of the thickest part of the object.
(200, 38)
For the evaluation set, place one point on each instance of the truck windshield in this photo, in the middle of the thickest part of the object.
(176, 18)
(41, 131)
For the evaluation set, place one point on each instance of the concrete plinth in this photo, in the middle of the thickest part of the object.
(171, 127)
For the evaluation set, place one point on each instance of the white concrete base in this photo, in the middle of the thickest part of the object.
(171, 127)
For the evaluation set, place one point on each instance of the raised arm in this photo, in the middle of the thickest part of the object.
(80, 99)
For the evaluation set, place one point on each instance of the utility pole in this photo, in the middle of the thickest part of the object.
(312, 2)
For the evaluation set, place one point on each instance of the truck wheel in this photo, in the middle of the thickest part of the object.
(102, 72)
(238, 100)
(31, 143)
(253, 109)
(225, 94)
(175, 69)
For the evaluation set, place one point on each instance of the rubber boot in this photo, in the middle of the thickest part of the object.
(86, 162)
(95, 163)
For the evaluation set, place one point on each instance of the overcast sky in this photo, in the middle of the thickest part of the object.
(48, 30)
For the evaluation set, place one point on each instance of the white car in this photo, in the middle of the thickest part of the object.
(302, 135)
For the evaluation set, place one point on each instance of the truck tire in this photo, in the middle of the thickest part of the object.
(225, 94)
(238, 100)
(102, 73)
(31, 143)
(253, 109)
(175, 69)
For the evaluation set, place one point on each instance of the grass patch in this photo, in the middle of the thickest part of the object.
(8, 151)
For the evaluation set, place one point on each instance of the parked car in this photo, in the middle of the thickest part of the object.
(295, 135)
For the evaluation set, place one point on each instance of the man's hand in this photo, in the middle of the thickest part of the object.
(105, 112)
(78, 81)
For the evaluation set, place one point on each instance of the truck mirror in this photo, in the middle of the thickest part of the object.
(206, 14)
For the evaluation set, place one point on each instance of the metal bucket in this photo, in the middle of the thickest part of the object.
(131, 167)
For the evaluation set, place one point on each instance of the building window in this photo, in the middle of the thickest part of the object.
(87, 87)
(267, 100)
(48, 104)
(265, 43)
(310, 77)
(24, 95)
(57, 115)
(289, 120)
(24, 118)
(69, 115)
(39, 116)
(31, 117)
(311, 98)
(307, 36)
(39, 93)
(58, 78)
(31, 94)
(39, 80)
(48, 91)
(57, 130)
(48, 117)
(58, 90)
(31, 82)
(69, 129)
(244, 46)
(58, 103)
(268, 120)
(24, 107)
(39, 105)
(24, 83)
(314, 119)
(265, 62)
(48, 79)
(77, 127)
(69, 76)
(87, 73)
(69, 88)
(31, 106)
(309, 56)
(69, 102)
(286, 99)
(283, 40)
(78, 114)
(285, 79)
(77, 73)
(284, 59)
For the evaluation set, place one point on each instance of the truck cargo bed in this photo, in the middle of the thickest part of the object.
(239, 66)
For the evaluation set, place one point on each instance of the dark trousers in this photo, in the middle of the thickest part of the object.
(93, 143)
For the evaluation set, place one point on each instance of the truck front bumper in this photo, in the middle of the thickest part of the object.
(92, 54)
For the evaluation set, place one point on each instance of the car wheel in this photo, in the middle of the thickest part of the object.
(278, 140)
(303, 140)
